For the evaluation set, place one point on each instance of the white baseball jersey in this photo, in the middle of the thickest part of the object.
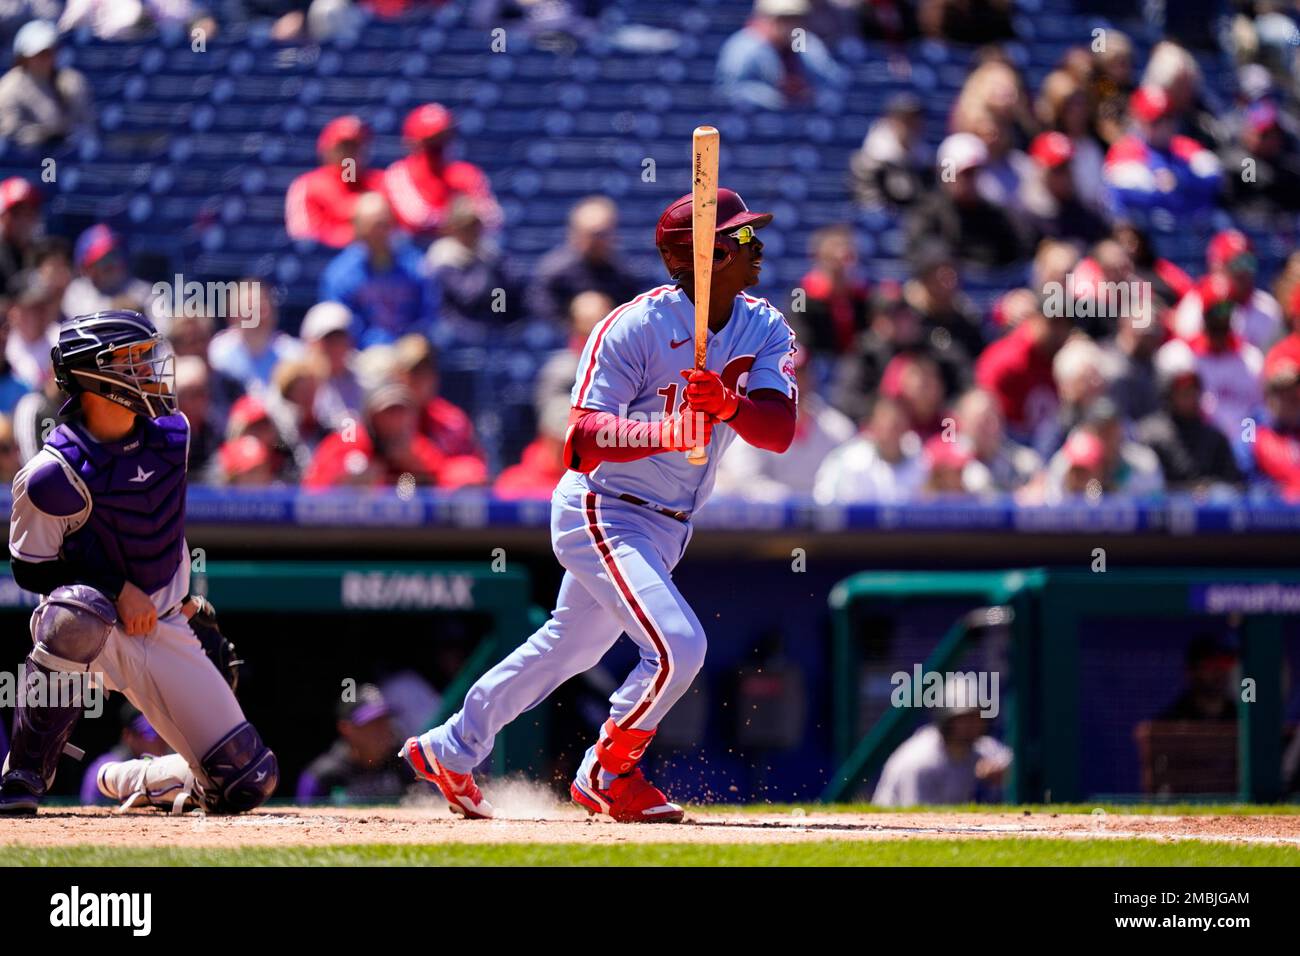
(632, 364)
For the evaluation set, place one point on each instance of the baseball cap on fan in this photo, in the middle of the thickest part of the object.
(1281, 370)
(783, 8)
(34, 38)
(368, 706)
(389, 395)
(15, 191)
(241, 455)
(1262, 116)
(94, 244)
(1229, 247)
(1150, 104)
(962, 151)
(1083, 449)
(325, 318)
(342, 129)
(1051, 150)
(426, 122)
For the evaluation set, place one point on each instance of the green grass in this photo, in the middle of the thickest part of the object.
(920, 852)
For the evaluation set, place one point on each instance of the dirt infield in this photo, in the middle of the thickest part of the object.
(432, 824)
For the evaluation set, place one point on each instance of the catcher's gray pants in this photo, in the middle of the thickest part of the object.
(168, 677)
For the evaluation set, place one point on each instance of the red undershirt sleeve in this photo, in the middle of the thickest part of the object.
(594, 437)
(765, 419)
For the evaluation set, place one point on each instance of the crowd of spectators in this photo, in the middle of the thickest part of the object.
(909, 390)
(1111, 370)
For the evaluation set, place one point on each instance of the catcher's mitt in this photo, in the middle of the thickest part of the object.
(216, 645)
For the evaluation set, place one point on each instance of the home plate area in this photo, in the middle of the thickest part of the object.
(324, 826)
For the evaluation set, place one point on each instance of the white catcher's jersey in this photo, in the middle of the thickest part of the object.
(631, 367)
(38, 536)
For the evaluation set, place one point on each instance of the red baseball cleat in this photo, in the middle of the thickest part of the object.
(631, 798)
(462, 793)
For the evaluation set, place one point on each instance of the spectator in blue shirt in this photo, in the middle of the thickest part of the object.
(252, 345)
(1154, 168)
(776, 62)
(382, 279)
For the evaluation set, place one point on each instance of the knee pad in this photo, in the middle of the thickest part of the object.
(241, 770)
(619, 750)
(70, 629)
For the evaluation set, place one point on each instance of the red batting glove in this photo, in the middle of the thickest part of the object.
(691, 429)
(706, 393)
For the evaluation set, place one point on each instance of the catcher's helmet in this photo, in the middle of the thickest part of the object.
(673, 233)
(117, 354)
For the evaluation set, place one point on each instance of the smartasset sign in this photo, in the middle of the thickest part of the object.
(1267, 597)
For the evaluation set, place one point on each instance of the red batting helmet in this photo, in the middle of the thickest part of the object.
(673, 233)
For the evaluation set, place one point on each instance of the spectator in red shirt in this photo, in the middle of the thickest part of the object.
(1048, 197)
(1256, 315)
(422, 185)
(440, 421)
(913, 379)
(245, 461)
(380, 451)
(1288, 348)
(1228, 365)
(947, 463)
(320, 204)
(1277, 445)
(837, 297)
(1017, 369)
(20, 217)
(541, 466)
(249, 417)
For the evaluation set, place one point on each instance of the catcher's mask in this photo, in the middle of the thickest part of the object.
(119, 355)
(736, 228)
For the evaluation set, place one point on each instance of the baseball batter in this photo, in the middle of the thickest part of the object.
(621, 517)
(98, 529)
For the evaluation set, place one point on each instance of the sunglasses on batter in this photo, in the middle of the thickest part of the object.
(745, 235)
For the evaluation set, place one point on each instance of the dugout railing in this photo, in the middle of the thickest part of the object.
(1043, 610)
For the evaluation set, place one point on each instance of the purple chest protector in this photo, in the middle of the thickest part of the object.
(137, 487)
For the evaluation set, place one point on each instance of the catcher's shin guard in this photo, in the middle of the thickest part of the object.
(43, 722)
(68, 632)
(242, 772)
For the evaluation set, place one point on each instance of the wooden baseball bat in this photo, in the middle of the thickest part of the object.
(704, 224)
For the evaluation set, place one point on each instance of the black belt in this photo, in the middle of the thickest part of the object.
(681, 516)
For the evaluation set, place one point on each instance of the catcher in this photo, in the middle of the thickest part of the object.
(97, 528)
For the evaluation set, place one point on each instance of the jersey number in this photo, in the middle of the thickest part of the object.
(735, 376)
(669, 392)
